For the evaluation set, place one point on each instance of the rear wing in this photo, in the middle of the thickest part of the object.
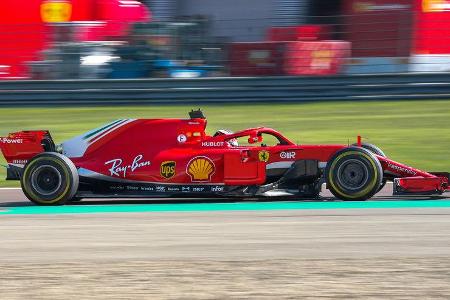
(19, 147)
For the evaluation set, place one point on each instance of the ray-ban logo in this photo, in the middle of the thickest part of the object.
(120, 170)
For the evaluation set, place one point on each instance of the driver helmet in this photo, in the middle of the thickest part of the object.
(231, 142)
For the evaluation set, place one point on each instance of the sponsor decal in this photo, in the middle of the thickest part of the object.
(369, 6)
(181, 138)
(116, 187)
(429, 6)
(160, 188)
(287, 155)
(264, 156)
(19, 161)
(217, 188)
(56, 11)
(136, 189)
(120, 170)
(167, 169)
(212, 144)
(321, 59)
(200, 169)
(11, 141)
(401, 169)
(147, 188)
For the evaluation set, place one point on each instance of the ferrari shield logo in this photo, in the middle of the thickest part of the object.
(263, 156)
(168, 169)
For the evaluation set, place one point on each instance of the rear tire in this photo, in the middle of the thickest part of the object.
(353, 174)
(50, 179)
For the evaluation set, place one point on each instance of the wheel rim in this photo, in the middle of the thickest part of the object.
(46, 180)
(353, 174)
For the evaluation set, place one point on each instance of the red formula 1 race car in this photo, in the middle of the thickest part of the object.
(176, 158)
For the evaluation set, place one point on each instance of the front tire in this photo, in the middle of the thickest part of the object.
(375, 150)
(354, 174)
(372, 148)
(50, 179)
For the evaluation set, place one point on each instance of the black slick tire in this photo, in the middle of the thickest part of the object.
(50, 178)
(375, 150)
(353, 174)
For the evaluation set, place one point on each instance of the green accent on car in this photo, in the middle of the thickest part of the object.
(87, 136)
(207, 207)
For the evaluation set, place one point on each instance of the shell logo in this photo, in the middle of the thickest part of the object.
(56, 11)
(200, 169)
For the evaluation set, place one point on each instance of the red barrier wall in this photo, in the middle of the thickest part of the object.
(378, 28)
(254, 59)
(315, 58)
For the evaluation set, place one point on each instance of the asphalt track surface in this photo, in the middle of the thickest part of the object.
(396, 248)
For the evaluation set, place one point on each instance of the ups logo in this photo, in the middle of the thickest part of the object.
(168, 169)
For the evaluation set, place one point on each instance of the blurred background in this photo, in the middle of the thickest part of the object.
(62, 39)
(304, 67)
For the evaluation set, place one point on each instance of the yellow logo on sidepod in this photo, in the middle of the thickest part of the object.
(167, 169)
(264, 156)
(200, 169)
